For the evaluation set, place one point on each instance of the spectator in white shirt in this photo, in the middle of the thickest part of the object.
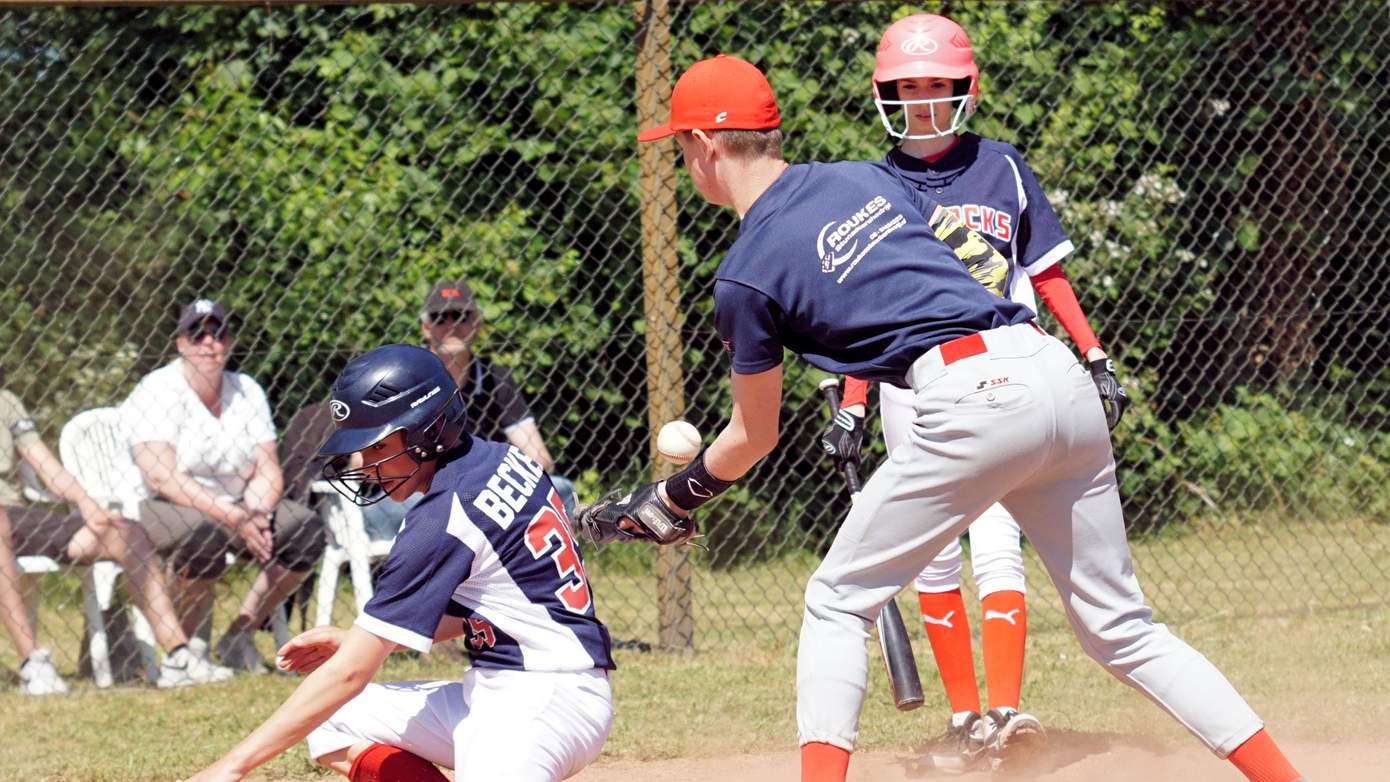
(205, 445)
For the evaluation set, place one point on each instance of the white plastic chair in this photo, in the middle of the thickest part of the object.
(348, 544)
(95, 449)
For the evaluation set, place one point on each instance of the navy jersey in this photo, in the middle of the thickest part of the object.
(490, 542)
(988, 187)
(836, 262)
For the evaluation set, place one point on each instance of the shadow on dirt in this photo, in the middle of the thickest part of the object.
(1064, 748)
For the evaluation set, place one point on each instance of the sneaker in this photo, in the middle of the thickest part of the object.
(237, 650)
(37, 676)
(198, 645)
(1012, 735)
(963, 747)
(185, 667)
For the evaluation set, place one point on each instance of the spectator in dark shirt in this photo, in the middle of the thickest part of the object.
(497, 409)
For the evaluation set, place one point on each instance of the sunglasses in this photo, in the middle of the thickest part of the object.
(450, 316)
(218, 333)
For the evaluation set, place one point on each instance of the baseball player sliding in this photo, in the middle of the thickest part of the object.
(487, 554)
(1002, 412)
(926, 85)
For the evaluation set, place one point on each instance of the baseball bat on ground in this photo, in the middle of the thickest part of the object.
(893, 641)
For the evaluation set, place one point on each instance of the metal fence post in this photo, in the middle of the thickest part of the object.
(661, 301)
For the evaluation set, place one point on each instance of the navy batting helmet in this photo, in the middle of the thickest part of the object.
(395, 388)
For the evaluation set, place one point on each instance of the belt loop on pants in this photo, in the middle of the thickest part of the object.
(962, 347)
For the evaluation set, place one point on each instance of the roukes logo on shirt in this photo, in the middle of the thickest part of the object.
(339, 410)
(836, 242)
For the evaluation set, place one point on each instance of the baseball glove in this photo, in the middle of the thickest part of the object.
(648, 516)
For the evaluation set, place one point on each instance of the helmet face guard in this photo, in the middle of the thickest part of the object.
(365, 485)
(964, 107)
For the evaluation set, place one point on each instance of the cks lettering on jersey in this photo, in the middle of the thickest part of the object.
(490, 542)
(988, 187)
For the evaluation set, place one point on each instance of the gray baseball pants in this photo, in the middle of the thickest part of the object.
(1019, 423)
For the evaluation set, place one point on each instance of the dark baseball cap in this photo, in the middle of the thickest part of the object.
(450, 296)
(198, 311)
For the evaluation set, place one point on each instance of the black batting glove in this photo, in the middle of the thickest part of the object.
(1112, 395)
(844, 438)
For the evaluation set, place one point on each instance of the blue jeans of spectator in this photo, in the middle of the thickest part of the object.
(566, 488)
(383, 519)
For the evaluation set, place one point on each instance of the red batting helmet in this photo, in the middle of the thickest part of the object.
(925, 46)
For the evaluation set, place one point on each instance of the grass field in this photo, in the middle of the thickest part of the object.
(1296, 617)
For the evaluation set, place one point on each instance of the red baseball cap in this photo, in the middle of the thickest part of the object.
(721, 93)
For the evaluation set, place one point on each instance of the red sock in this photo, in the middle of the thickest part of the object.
(948, 630)
(1003, 636)
(1260, 760)
(385, 763)
(822, 762)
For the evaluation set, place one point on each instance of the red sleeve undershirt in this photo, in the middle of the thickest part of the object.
(1051, 284)
(856, 392)
(1056, 292)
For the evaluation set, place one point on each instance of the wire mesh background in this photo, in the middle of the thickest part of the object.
(1220, 167)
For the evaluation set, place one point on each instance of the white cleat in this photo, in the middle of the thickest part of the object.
(964, 745)
(187, 668)
(1013, 737)
(37, 676)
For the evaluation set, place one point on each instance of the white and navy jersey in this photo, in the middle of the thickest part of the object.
(836, 262)
(989, 188)
(490, 542)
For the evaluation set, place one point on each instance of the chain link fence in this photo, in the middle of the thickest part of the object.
(1220, 167)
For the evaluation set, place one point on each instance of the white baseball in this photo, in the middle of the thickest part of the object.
(678, 442)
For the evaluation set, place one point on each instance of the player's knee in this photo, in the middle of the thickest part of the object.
(1123, 641)
(826, 602)
(385, 763)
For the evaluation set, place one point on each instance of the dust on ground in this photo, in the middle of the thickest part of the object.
(1069, 757)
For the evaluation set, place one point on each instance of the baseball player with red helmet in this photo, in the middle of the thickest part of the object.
(1001, 411)
(925, 86)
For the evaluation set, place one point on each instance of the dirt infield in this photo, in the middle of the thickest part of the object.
(1074, 757)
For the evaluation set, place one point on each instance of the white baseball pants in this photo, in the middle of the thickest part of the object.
(530, 726)
(1019, 423)
(996, 561)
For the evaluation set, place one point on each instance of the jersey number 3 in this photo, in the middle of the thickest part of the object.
(550, 532)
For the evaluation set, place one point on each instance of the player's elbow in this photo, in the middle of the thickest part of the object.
(353, 679)
(763, 440)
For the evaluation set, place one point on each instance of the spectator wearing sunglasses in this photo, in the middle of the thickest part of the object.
(204, 442)
(497, 410)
